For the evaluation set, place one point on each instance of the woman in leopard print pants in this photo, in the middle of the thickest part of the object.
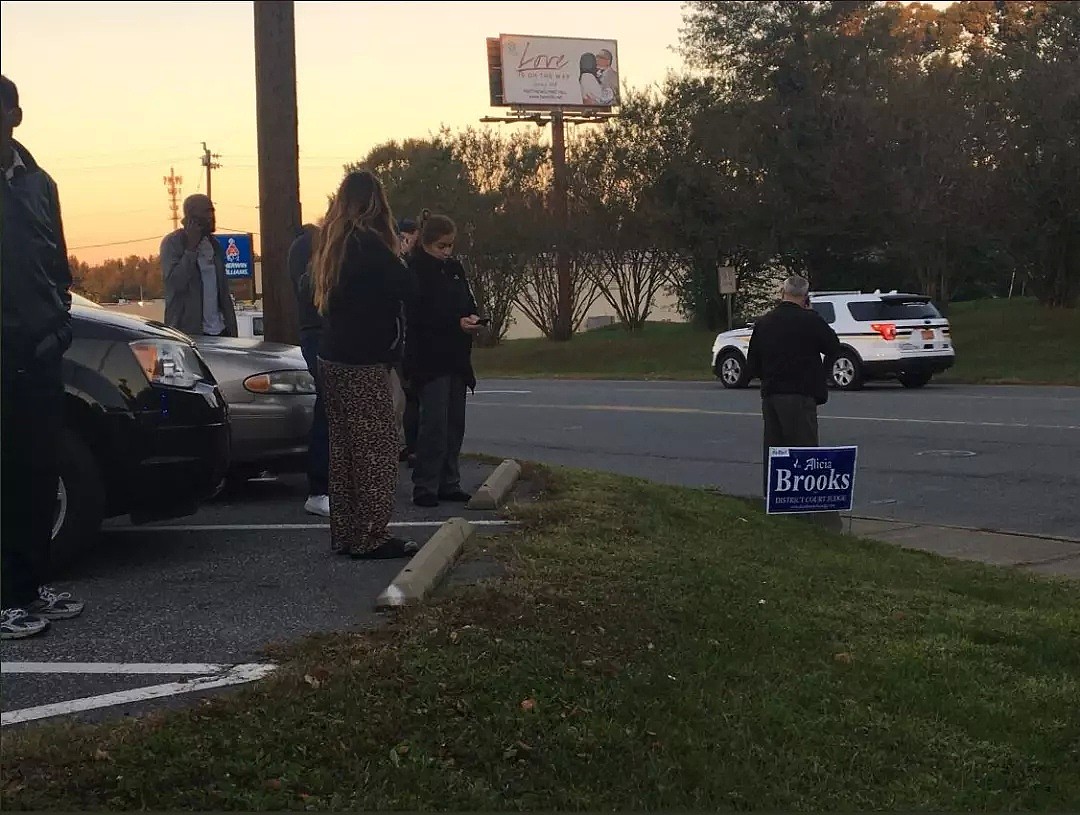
(359, 286)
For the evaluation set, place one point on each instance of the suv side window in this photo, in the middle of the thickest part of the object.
(826, 310)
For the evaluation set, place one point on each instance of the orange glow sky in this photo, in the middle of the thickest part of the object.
(114, 94)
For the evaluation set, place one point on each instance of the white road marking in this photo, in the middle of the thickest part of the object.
(757, 415)
(278, 527)
(493, 391)
(128, 668)
(237, 675)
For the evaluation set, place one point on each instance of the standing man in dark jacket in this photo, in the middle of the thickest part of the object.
(36, 333)
(311, 329)
(785, 353)
(197, 298)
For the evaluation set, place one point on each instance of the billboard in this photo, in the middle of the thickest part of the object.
(545, 72)
(239, 255)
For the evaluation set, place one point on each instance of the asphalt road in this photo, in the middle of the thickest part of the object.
(248, 571)
(1003, 458)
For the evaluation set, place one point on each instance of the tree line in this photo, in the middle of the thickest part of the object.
(862, 144)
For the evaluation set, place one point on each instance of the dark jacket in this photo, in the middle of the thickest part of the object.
(183, 286)
(436, 346)
(363, 323)
(299, 258)
(785, 352)
(34, 267)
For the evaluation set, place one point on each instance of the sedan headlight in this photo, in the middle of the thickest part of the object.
(167, 362)
(295, 381)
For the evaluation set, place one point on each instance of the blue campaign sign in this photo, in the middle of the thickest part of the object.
(811, 479)
(239, 255)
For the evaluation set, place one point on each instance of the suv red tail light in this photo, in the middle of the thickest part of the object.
(886, 330)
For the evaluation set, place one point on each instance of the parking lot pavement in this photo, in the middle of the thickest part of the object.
(205, 589)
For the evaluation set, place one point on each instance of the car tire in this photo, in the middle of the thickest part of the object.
(846, 373)
(731, 370)
(80, 504)
(914, 380)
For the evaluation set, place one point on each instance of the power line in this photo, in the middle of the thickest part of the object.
(114, 243)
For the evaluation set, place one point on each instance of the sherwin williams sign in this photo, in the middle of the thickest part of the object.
(239, 255)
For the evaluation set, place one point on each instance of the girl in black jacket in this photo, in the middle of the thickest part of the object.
(441, 320)
(359, 286)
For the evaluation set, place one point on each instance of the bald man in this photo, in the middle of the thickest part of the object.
(197, 299)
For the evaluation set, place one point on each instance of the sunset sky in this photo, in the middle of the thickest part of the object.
(114, 94)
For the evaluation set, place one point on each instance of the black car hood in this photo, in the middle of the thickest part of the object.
(105, 323)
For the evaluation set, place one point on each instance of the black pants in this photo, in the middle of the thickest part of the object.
(441, 430)
(30, 426)
(790, 421)
(319, 442)
(411, 419)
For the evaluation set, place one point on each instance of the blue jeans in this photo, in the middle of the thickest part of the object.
(319, 444)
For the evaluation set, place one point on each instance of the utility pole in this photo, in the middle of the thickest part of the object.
(279, 162)
(209, 163)
(564, 319)
(172, 184)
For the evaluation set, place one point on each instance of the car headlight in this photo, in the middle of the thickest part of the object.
(167, 362)
(295, 381)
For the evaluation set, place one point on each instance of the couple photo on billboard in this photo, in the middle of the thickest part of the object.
(599, 79)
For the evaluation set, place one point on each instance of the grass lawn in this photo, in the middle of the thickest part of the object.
(653, 648)
(998, 341)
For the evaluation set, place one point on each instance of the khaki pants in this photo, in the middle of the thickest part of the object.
(398, 392)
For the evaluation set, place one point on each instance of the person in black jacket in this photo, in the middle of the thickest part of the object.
(36, 333)
(785, 353)
(442, 320)
(311, 325)
(359, 284)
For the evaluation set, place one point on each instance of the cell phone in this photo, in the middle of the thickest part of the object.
(484, 321)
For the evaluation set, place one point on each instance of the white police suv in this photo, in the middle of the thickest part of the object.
(882, 336)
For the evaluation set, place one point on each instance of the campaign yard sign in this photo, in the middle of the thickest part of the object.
(239, 255)
(811, 479)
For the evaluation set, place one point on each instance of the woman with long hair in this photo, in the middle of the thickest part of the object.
(442, 320)
(360, 284)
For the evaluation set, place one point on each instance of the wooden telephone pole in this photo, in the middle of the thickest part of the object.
(279, 162)
(209, 163)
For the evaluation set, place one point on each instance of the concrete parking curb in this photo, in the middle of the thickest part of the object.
(498, 485)
(428, 566)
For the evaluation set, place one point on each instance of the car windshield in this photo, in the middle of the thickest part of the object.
(892, 310)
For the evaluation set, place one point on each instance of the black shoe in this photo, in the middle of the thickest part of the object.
(404, 455)
(16, 624)
(389, 549)
(427, 501)
(55, 605)
(455, 496)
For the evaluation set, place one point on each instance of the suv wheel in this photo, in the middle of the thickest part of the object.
(846, 373)
(80, 499)
(914, 380)
(731, 370)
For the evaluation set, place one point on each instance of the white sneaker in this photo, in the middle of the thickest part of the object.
(318, 505)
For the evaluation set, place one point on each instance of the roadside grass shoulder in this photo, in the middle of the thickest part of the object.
(651, 647)
(1014, 342)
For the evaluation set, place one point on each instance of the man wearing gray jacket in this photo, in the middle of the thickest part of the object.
(197, 299)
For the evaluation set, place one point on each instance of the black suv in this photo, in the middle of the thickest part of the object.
(146, 430)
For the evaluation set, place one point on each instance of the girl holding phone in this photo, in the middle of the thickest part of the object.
(442, 322)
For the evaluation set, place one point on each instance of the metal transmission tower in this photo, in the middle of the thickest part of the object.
(172, 184)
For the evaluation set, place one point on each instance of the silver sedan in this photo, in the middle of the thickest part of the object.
(271, 398)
